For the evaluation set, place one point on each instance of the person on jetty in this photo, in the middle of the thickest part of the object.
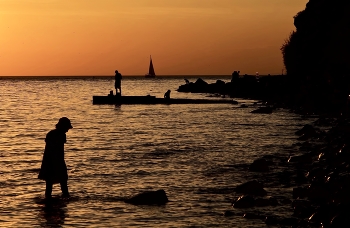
(167, 94)
(235, 76)
(53, 167)
(118, 83)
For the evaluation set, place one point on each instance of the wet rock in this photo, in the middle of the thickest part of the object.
(251, 188)
(306, 146)
(285, 201)
(324, 121)
(265, 202)
(304, 158)
(289, 222)
(310, 133)
(220, 82)
(342, 128)
(228, 213)
(272, 220)
(244, 202)
(260, 165)
(253, 216)
(263, 110)
(322, 215)
(319, 192)
(342, 195)
(199, 86)
(304, 137)
(300, 177)
(158, 197)
(307, 129)
(303, 203)
(317, 174)
(303, 211)
(339, 221)
(273, 201)
(200, 81)
(284, 177)
(262, 202)
(300, 192)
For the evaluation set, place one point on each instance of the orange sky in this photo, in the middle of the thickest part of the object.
(96, 37)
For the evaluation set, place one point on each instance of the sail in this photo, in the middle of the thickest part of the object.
(151, 73)
(151, 69)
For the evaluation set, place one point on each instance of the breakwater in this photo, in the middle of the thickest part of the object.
(282, 91)
(264, 87)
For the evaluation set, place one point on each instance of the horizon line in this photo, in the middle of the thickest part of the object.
(130, 75)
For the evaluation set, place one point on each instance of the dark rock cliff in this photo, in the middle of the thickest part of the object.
(316, 55)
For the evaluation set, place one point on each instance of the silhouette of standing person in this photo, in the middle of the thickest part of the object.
(118, 83)
(53, 167)
(235, 76)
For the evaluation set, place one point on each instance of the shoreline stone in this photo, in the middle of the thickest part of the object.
(157, 197)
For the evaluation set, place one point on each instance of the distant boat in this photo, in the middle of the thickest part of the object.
(151, 73)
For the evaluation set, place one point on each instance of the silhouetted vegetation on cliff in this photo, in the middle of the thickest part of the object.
(317, 55)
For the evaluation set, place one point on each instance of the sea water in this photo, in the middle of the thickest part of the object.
(197, 153)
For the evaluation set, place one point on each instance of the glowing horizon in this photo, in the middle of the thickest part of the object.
(184, 37)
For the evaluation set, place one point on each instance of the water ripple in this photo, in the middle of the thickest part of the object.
(196, 153)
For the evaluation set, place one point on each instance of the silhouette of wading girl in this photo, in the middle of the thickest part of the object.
(53, 167)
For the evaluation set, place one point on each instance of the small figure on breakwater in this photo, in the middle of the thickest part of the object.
(167, 94)
(118, 83)
(53, 167)
(235, 76)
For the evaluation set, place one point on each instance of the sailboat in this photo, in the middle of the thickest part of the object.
(151, 73)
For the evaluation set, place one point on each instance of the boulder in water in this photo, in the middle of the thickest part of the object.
(251, 188)
(158, 197)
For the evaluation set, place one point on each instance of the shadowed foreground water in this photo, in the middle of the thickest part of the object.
(194, 152)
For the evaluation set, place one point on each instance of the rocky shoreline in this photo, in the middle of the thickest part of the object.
(308, 188)
(316, 179)
(277, 91)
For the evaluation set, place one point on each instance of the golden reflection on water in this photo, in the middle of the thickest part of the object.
(115, 152)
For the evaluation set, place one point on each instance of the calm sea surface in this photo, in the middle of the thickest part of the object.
(194, 152)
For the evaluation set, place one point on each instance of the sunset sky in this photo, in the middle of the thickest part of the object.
(184, 37)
